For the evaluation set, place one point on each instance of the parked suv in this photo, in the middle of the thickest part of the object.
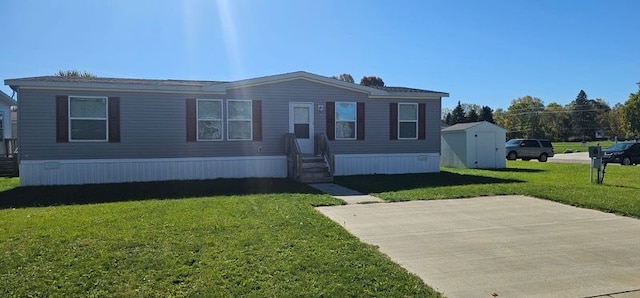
(626, 153)
(527, 149)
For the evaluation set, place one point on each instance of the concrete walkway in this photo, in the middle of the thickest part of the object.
(348, 195)
(507, 246)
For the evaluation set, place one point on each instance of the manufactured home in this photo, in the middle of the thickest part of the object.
(77, 130)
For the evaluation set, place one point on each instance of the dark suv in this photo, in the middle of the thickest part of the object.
(626, 153)
(527, 149)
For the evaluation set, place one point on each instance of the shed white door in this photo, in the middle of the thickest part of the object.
(301, 124)
(486, 151)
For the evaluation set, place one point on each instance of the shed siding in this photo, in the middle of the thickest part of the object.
(152, 125)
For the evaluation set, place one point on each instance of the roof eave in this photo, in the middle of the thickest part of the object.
(31, 84)
(7, 99)
(295, 76)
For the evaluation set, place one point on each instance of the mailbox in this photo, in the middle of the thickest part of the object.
(595, 152)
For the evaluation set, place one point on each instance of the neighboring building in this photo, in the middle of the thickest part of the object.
(108, 130)
(474, 145)
(6, 124)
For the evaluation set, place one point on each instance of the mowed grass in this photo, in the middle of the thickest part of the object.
(263, 241)
(565, 183)
(561, 147)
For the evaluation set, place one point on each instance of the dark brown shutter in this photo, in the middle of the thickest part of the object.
(422, 120)
(331, 120)
(62, 118)
(191, 119)
(257, 119)
(360, 121)
(393, 121)
(114, 119)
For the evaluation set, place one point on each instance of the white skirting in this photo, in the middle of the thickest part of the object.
(92, 171)
(402, 163)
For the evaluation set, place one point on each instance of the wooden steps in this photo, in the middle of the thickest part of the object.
(8, 167)
(314, 170)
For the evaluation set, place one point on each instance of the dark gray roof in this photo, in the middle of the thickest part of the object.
(211, 86)
(404, 89)
(159, 82)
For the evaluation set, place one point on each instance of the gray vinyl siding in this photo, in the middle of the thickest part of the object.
(153, 125)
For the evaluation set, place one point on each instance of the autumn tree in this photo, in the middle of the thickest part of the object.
(524, 117)
(372, 81)
(344, 77)
(555, 122)
(632, 112)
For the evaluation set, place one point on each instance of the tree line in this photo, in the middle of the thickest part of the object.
(581, 119)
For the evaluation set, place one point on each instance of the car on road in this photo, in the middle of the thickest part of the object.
(625, 153)
(528, 149)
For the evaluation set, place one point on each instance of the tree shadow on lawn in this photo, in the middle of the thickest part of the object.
(515, 170)
(390, 183)
(32, 196)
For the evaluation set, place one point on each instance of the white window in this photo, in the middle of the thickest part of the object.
(239, 115)
(345, 120)
(209, 120)
(408, 121)
(88, 118)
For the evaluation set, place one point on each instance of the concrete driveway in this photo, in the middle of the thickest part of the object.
(578, 157)
(507, 246)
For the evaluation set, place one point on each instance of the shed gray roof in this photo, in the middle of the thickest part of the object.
(466, 126)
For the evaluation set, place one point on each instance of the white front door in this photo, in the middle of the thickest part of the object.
(301, 124)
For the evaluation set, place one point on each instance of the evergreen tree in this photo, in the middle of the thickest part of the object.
(583, 116)
(486, 114)
(457, 116)
(472, 116)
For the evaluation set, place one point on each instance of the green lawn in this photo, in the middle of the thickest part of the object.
(244, 237)
(566, 183)
(560, 147)
(229, 238)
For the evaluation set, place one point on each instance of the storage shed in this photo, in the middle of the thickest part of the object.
(473, 145)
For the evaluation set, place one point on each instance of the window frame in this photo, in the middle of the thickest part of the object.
(105, 119)
(355, 120)
(416, 121)
(250, 119)
(198, 100)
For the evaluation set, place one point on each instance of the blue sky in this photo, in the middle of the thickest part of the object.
(482, 52)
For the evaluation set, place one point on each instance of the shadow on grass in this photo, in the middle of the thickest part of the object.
(390, 183)
(514, 170)
(32, 196)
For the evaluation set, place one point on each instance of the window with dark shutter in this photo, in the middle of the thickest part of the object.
(422, 120)
(114, 119)
(62, 118)
(191, 119)
(393, 121)
(257, 120)
(360, 119)
(331, 120)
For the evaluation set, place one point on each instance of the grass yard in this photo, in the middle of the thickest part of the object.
(560, 147)
(566, 183)
(125, 240)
